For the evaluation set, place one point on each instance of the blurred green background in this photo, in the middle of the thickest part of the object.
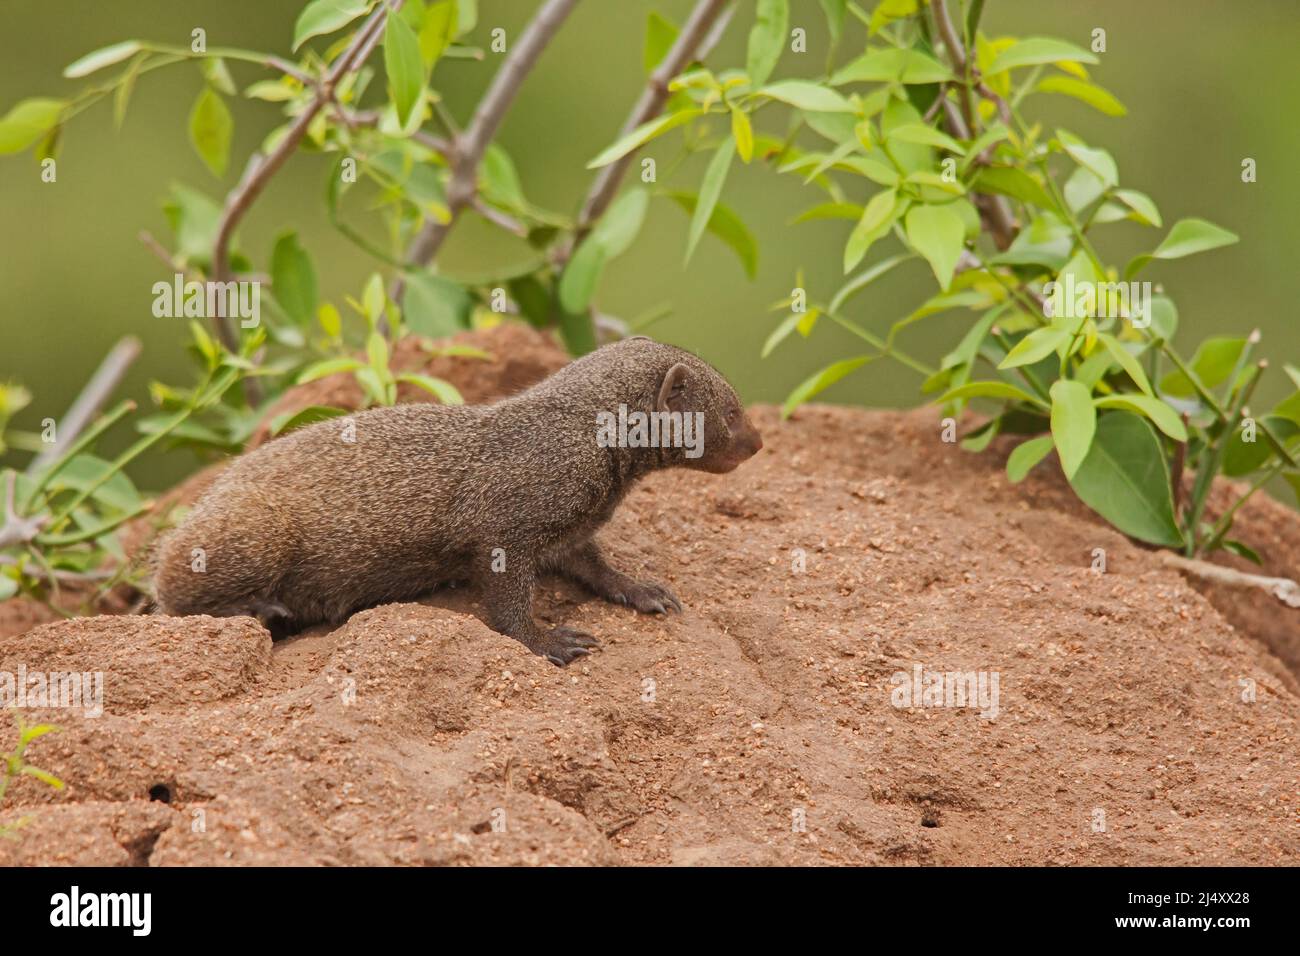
(1206, 82)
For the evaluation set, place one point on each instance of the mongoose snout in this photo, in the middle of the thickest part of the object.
(385, 505)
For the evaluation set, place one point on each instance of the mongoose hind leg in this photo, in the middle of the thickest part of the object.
(587, 565)
(509, 597)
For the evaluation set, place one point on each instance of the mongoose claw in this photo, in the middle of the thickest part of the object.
(565, 644)
(651, 599)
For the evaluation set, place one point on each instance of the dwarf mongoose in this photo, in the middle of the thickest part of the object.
(386, 504)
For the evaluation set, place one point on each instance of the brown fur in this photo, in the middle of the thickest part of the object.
(310, 528)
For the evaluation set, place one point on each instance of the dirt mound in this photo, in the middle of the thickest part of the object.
(1133, 724)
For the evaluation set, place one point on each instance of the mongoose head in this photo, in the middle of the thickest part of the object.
(722, 434)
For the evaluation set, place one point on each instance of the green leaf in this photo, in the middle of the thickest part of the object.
(766, 40)
(982, 437)
(404, 67)
(618, 228)
(835, 11)
(373, 298)
(822, 380)
(1164, 317)
(864, 279)
(210, 130)
(46, 778)
(1127, 361)
(377, 352)
(444, 391)
(807, 96)
(1242, 551)
(937, 233)
(1090, 93)
(710, 189)
(875, 222)
(293, 279)
(194, 219)
(500, 180)
(893, 65)
(1214, 361)
(437, 32)
(612, 236)
(1164, 417)
(1125, 479)
(1187, 237)
(86, 471)
(27, 122)
(217, 75)
(989, 390)
(287, 422)
(331, 322)
(795, 320)
(730, 228)
(660, 35)
(122, 95)
(641, 135)
(1035, 50)
(1074, 421)
(578, 332)
(98, 59)
(926, 136)
(578, 282)
(1036, 346)
(325, 16)
(1014, 182)
(1144, 208)
(1098, 161)
(435, 306)
(742, 131)
(1241, 457)
(327, 367)
(1026, 455)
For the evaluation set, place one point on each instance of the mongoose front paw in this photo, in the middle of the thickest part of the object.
(649, 598)
(562, 645)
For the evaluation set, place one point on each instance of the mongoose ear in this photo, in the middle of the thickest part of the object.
(673, 389)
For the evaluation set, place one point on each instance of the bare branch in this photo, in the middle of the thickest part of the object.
(1284, 589)
(87, 404)
(468, 147)
(17, 529)
(957, 56)
(284, 66)
(261, 167)
(696, 37)
(499, 218)
(358, 119)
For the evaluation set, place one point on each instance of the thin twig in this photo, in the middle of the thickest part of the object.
(696, 36)
(468, 147)
(91, 399)
(497, 217)
(261, 167)
(357, 119)
(284, 66)
(1284, 589)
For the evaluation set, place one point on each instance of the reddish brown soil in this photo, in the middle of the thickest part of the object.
(404, 736)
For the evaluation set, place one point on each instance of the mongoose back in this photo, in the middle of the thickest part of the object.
(386, 504)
